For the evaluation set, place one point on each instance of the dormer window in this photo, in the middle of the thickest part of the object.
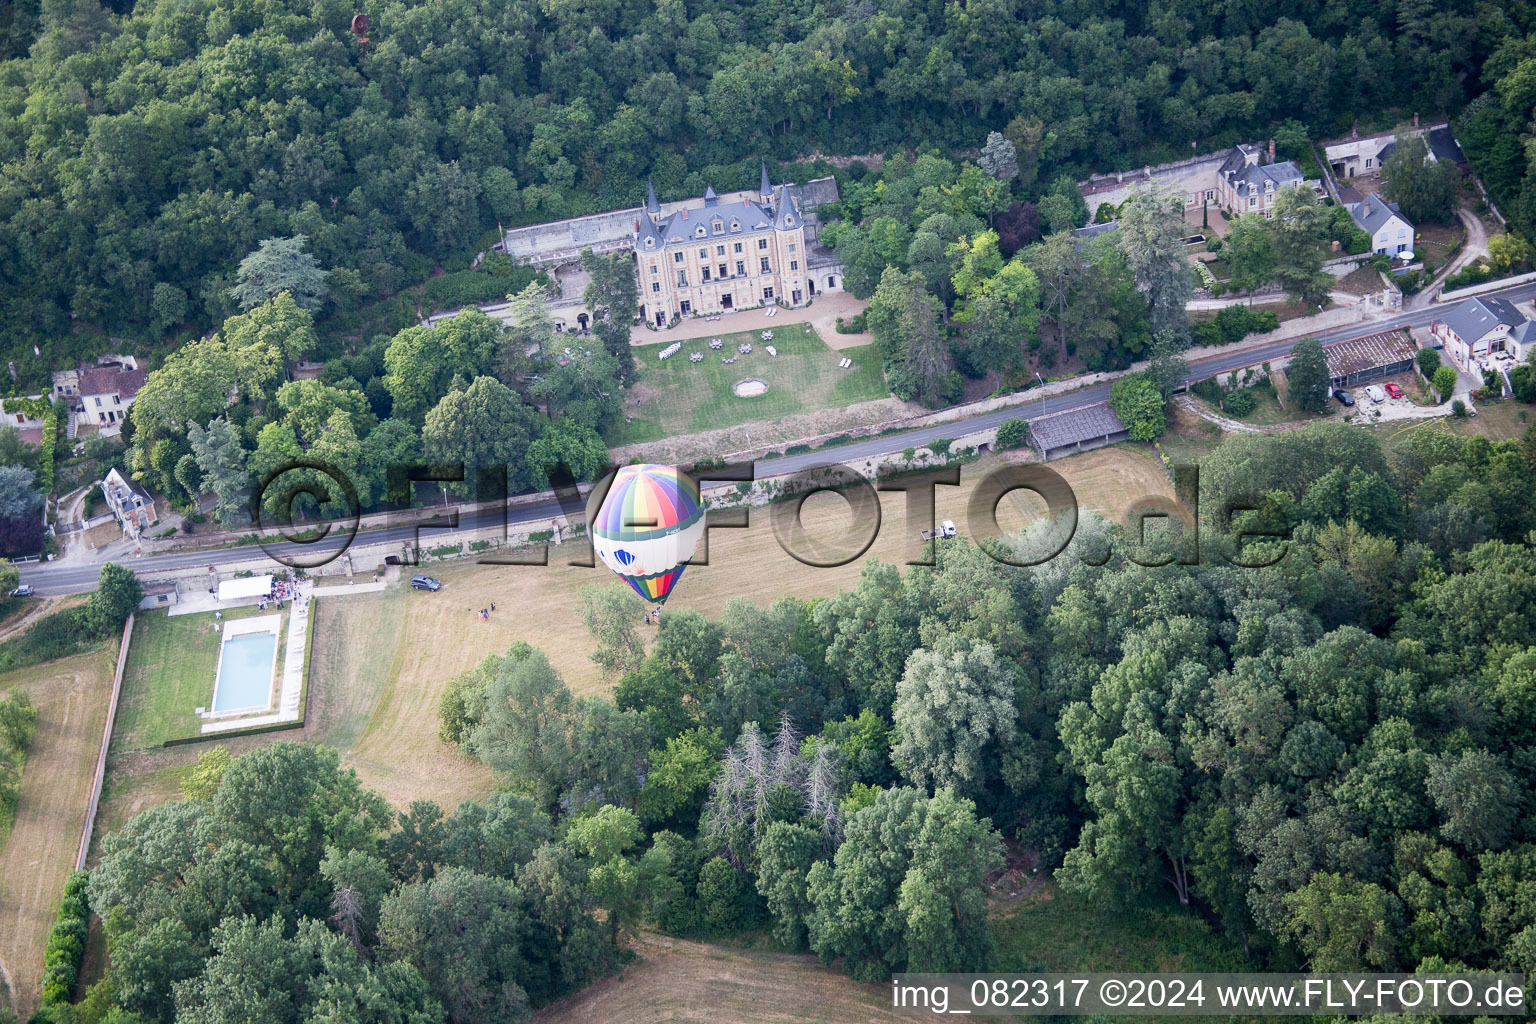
(650, 243)
(735, 225)
(789, 222)
(699, 231)
(718, 228)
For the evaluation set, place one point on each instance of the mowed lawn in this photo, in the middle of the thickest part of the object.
(170, 673)
(678, 397)
(442, 635)
(71, 696)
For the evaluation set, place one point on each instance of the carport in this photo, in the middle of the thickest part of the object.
(1360, 360)
(1076, 430)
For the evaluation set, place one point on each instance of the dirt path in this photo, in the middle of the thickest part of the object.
(1192, 406)
(1475, 246)
(46, 606)
(822, 314)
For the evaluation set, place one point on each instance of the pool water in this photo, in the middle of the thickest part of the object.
(245, 672)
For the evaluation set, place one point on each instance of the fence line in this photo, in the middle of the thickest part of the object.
(106, 740)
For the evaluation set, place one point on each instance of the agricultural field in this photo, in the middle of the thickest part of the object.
(676, 397)
(71, 697)
(682, 982)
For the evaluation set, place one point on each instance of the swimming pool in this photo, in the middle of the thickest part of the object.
(245, 672)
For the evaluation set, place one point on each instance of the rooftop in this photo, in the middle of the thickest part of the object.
(1371, 213)
(112, 380)
(1473, 318)
(1358, 354)
(1089, 423)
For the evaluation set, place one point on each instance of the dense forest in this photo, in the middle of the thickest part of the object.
(146, 148)
(1328, 759)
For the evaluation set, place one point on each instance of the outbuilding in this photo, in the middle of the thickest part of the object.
(1076, 430)
(1363, 359)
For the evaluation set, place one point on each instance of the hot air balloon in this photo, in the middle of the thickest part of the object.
(648, 526)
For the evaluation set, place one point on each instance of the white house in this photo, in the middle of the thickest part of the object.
(1390, 231)
(106, 391)
(129, 502)
(1485, 334)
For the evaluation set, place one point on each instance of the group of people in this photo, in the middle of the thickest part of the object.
(281, 590)
(653, 617)
(485, 613)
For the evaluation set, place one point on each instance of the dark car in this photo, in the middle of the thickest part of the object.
(1344, 397)
(425, 583)
(22, 591)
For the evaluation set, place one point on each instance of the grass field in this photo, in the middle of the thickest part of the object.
(1055, 931)
(381, 661)
(681, 982)
(678, 397)
(71, 697)
(170, 671)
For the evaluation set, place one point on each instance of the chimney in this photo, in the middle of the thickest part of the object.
(1271, 150)
(1415, 118)
(685, 213)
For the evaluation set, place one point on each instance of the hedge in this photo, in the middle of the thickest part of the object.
(66, 942)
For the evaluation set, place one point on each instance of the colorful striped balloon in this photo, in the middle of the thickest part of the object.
(648, 526)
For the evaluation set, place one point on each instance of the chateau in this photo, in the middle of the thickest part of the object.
(696, 257)
(747, 251)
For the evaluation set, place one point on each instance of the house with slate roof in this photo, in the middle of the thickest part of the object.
(1485, 333)
(1247, 185)
(747, 250)
(1390, 231)
(1243, 179)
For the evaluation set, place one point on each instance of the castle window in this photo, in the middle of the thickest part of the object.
(762, 243)
(682, 278)
(794, 264)
(738, 248)
(703, 254)
(655, 269)
(741, 268)
(655, 286)
(677, 257)
(719, 250)
(706, 273)
(763, 264)
(791, 246)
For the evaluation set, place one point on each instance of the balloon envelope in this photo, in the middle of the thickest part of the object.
(648, 526)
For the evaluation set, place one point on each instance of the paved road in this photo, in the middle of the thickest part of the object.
(53, 579)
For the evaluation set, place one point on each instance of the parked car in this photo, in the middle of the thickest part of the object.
(425, 583)
(1393, 390)
(1345, 398)
(22, 591)
(1374, 393)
